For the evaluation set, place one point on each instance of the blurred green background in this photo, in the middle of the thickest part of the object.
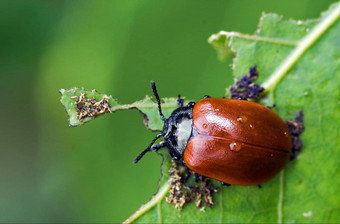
(52, 173)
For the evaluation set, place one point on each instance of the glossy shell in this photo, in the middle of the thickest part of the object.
(237, 142)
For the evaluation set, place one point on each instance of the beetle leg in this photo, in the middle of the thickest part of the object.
(161, 145)
(186, 176)
(180, 101)
(172, 155)
(272, 106)
(242, 98)
(191, 104)
(225, 184)
(198, 177)
(206, 96)
(259, 186)
(157, 146)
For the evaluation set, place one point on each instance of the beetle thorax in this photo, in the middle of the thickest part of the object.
(177, 130)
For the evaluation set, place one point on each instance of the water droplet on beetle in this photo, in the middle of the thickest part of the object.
(204, 125)
(286, 133)
(242, 119)
(235, 146)
(251, 126)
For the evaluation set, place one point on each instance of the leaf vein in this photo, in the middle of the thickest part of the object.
(300, 49)
(280, 204)
(252, 37)
(221, 205)
(159, 212)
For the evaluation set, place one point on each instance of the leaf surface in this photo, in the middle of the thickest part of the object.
(307, 190)
(147, 107)
(299, 64)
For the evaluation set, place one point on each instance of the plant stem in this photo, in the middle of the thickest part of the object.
(157, 198)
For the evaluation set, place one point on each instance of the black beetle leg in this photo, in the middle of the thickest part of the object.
(191, 104)
(206, 96)
(197, 177)
(186, 176)
(179, 101)
(259, 186)
(172, 155)
(225, 184)
(161, 145)
(272, 106)
(157, 146)
(242, 98)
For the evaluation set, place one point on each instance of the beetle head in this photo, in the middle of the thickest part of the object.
(177, 129)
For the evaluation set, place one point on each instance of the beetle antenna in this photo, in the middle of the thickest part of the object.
(148, 148)
(153, 85)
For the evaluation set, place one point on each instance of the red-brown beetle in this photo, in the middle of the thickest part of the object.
(238, 142)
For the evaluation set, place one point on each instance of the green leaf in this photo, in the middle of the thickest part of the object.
(299, 64)
(147, 107)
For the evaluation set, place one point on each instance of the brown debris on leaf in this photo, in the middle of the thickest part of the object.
(177, 195)
(181, 194)
(90, 107)
(295, 129)
(245, 87)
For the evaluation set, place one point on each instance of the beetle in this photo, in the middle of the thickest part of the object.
(234, 141)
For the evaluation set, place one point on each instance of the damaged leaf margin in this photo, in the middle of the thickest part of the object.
(223, 41)
(147, 107)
